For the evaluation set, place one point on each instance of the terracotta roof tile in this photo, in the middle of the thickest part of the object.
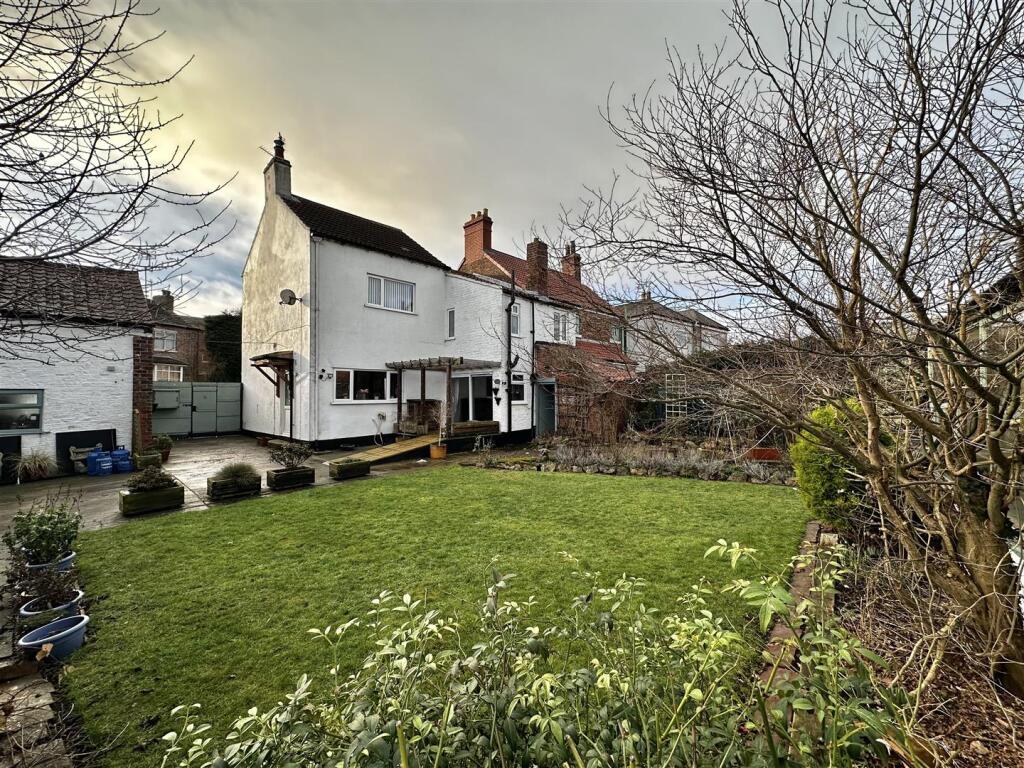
(561, 287)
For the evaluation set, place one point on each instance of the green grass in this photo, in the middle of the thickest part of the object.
(213, 606)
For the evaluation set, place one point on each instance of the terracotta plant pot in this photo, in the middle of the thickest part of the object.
(165, 455)
(439, 451)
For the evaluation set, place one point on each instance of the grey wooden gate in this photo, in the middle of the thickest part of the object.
(196, 408)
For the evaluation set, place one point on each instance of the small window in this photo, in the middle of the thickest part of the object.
(451, 323)
(342, 385)
(617, 334)
(515, 319)
(518, 388)
(390, 294)
(167, 372)
(21, 410)
(165, 340)
(560, 329)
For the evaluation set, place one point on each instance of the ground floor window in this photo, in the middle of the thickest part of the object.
(21, 410)
(473, 398)
(365, 385)
(167, 372)
(518, 388)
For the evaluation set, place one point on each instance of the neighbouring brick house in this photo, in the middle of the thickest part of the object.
(76, 365)
(179, 343)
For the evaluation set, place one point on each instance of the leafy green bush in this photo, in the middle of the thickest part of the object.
(150, 479)
(239, 471)
(291, 455)
(825, 478)
(649, 690)
(46, 530)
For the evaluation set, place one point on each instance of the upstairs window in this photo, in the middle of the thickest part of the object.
(165, 340)
(515, 319)
(386, 293)
(451, 323)
(21, 410)
(561, 326)
(617, 334)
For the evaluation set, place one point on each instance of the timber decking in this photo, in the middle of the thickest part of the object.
(390, 451)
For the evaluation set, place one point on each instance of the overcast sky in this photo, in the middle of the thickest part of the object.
(411, 113)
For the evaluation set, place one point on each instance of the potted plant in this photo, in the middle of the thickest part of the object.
(41, 537)
(291, 457)
(233, 481)
(63, 636)
(163, 444)
(34, 465)
(53, 595)
(345, 469)
(440, 414)
(150, 490)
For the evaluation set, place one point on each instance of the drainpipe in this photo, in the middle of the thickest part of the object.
(533, 368)
(313, 389)
(508, 351)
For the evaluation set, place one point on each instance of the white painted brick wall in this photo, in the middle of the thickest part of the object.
(90, 390)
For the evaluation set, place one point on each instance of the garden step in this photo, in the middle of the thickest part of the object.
(13, 662)
(27, 707)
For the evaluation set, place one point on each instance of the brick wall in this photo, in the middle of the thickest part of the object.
(191, 351)
(142, 390)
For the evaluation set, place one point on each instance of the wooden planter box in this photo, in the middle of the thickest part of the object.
(345, 470)
(141, 502)
(281, 479)
(221, 490)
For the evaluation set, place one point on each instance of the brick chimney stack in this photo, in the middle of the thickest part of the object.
(537, 266)
(277, 176)
(163, 301)
(571, 262)
(477, 232)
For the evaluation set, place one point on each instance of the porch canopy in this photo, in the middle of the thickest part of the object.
(445, 364)
(275, 366)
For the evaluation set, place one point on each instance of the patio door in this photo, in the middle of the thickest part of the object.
(473, 401)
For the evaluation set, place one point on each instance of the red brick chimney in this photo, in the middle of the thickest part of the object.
(477, 232)
(571, 262)
(537, 266)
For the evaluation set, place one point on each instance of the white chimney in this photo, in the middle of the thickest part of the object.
(277, 176)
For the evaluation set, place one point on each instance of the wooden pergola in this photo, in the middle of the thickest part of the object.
(445, 364)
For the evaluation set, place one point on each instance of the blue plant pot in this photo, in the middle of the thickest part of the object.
(66, 635)
(33, 610)
(61, 565)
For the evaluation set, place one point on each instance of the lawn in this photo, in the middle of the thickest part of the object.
(213, 606)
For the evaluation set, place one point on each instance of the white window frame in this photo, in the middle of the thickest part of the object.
(617, 334)
(22, 406)
(160, 338)
(382, 293)
(449, 328)
(389, 396)
(561, 329)
(167, 367)
(519, 378)
(515, 320)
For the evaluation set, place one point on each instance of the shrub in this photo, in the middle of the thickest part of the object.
(291, 455)
(651, 690)
(46, 530)
(35, 465)
(239, 471)
(163, 442)
(150, 479)
(52, 587)
(825, 478)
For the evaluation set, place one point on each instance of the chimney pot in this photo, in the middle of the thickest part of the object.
(277, 176)
(477, 235)
(571, 262)
(537, 266)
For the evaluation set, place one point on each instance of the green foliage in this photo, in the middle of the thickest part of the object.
(239, 471)
(291, 455)
(224, 345)
(279, 564)
(35, 465)
(824, 477)
(652, 690)
(163, 442)
(46, 530)
(149, 479)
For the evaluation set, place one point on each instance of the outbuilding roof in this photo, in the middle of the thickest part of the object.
(647, 306)
(349, 229)
(53, 290)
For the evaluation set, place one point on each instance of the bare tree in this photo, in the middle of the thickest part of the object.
(82, 180)
(851, 201)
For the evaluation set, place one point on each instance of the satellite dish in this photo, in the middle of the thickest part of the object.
(288, 296)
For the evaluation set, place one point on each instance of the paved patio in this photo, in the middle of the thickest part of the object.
(191, 462)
